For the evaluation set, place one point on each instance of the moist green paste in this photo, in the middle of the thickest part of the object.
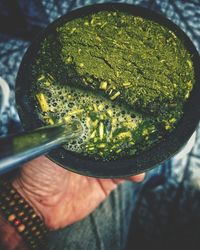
(126, 78)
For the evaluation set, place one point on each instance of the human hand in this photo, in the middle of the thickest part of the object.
(61, 197)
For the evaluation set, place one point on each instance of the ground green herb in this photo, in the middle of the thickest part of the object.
(140, 67)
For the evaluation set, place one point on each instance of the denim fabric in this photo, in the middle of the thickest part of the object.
(163, 211)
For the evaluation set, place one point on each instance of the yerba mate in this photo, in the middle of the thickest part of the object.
(124, 77)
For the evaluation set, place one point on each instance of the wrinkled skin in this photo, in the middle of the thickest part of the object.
(61, 197)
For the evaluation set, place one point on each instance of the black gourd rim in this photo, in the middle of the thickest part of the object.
(160, 152)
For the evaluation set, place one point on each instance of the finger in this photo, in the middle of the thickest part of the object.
(137, 178)
(118, 181)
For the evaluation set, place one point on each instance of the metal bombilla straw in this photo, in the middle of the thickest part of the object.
(20, 148)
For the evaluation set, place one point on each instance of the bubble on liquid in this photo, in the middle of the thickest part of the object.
(63, 99)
